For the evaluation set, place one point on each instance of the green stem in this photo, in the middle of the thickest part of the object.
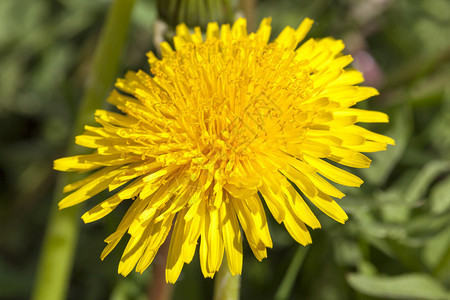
(285, 288)
(226, 286)
(56, 258)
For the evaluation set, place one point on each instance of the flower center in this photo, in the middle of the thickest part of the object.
(228, 103)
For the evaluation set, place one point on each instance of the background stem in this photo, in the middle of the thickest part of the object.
(56, 257)
(249, 9)
(159, 289)
(285, 289)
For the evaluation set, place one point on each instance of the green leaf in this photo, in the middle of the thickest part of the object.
(393, 207)
(422, 181)
(440, 196)
(410, 286)
(427, 224)
(437, 131)
(382, 245)
(347, 252)
(436, 248)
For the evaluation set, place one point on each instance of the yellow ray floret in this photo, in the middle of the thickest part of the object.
(223, 124)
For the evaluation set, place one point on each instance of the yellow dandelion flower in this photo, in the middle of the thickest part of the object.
(223, 124)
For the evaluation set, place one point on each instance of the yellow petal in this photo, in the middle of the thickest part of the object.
(89, 190)
(114, 238)
(90, 162)
(133, 251)
(364, 115)
(212, 30)
(174, 258)
(231, 235)
(239, 28)
(264, 30)
(272, 203)
(215, 242)
(78, 184)
(333, 173)
(296, 228)
(249, 227)
(349, 77)
(303, 29)
(349, 158)
(259, 216)
(301, 181)
(349, 95)
(324, 185)
(326, 204)
(156, 238)
(286, 38)
(106, 206)
(300, 208)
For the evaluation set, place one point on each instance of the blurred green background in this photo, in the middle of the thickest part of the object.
(396, 244)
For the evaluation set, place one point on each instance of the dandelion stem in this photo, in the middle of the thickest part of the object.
(226, 286)
(56, 258)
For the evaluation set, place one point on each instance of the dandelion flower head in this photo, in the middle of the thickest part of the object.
(223, 124)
